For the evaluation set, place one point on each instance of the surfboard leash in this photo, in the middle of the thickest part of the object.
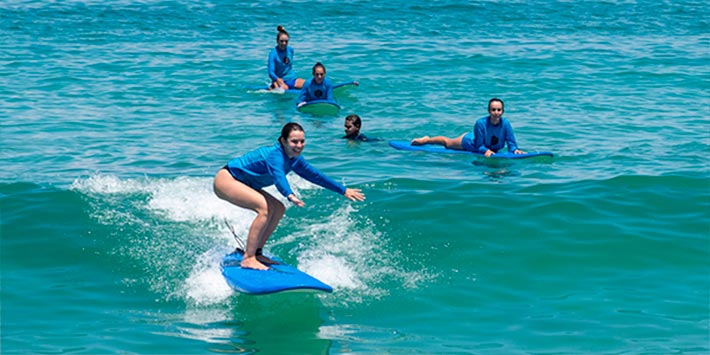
(240, 243)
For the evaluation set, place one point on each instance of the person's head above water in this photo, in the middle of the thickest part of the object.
(352, 125)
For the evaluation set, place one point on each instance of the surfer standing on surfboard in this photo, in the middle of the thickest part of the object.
(318, 88)
(281, 64)
(242, 180)
(490, 134)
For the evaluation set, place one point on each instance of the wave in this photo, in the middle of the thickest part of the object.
(173, 229)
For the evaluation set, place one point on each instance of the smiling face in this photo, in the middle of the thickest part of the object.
(495, 109)
(318, 74)
(294, 144)
(282, 41)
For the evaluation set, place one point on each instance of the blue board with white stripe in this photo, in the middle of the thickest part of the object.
(280, 277)
(435, 148)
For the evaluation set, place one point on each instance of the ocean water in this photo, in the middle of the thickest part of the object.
(115, 115)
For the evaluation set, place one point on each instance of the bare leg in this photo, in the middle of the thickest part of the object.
(275, 212)
(299, 83)
(239, 194)
(451, 143)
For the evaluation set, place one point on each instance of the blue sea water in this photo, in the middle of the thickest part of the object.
(115, 115)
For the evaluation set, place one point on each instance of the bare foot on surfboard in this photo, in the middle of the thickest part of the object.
(419, 141)
(252, 263)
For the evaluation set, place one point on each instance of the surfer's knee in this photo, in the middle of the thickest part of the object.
(278, 208)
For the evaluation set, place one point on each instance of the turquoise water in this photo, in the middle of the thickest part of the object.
(116, 115)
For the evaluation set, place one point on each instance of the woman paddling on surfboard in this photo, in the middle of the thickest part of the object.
(490, 134)
(281, 64)
(318, 88)
(242, 180)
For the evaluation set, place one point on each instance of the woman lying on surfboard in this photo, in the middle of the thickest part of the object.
(318, 88)
(490, 134)
(281, 64)
(242, 180)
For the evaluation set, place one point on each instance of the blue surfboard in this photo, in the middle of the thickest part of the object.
(280, 277)
(435, 148)
(320, 108)
(338, 89)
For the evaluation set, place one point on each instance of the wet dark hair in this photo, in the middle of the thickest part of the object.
(502, 105)
(355, 119)
(281, 30)
(319, 64)
(288, 128)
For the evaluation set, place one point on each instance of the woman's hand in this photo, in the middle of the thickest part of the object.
(518, 151)
(354, 194)
(488, 153)
(295, 200)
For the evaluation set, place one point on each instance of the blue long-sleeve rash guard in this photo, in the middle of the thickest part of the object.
(281, 64)
(268, 166)
(493, 137)
(313, 91)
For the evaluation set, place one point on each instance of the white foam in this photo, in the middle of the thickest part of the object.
(107, 184)
(205, 285)
(342, 249)
(346, 255)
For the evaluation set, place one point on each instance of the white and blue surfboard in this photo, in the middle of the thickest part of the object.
(435, 148)
(278, 278)
(338, 89)
(320, 108)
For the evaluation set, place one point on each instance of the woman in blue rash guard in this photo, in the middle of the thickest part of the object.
(242, 180)
(281, 64)
(318, 88)
(490, 134)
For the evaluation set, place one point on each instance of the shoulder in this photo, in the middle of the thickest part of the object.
(482, 121)
(274, 150)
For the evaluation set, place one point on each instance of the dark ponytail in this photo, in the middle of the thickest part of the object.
(281, 30)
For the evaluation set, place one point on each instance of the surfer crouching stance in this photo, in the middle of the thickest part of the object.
(242, 180)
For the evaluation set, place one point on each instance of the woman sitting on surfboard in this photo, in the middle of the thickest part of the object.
(490, 134)
(318, 88)
(242, 180)
(281, 64)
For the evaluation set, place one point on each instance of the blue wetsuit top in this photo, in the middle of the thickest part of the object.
(312, 91)
(281, 64)
(488, 136)
(268, 166)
